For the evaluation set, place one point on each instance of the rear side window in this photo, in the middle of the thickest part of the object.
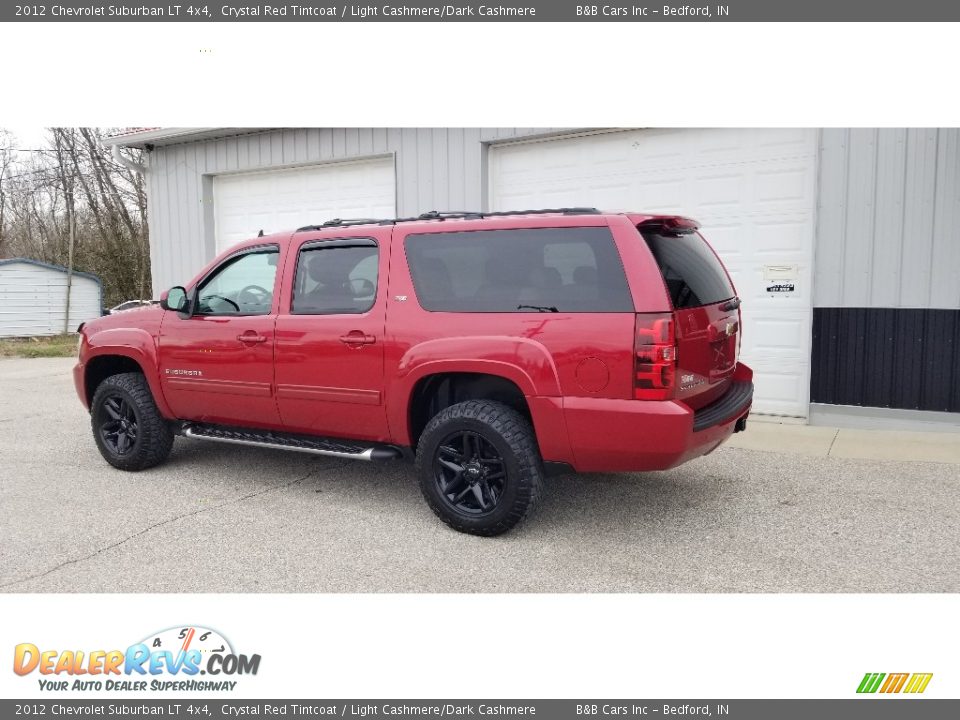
(536, 270)
(336, 278)
(693, 274)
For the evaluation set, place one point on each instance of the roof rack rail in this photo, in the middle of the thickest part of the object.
(448, 215)
(338, 222)
(453, 214)
(546, 211)
(477, 214)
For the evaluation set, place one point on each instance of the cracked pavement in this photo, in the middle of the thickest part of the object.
(218, 518)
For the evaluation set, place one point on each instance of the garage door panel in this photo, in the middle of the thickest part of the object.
(778, 337)
(783, 236)
(784, 185)
(546, 196)
(287, 199)
(658, 149)
(706, 193)
(753, 192)
(719, 192)
(780, 387)
(782, 141)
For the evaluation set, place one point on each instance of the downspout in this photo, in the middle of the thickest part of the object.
(126, 162)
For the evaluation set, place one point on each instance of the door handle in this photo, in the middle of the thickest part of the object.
(251, 337)
(356, 338)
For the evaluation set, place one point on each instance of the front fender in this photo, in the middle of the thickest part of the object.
(136, 344)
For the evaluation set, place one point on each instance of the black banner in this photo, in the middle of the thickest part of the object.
(872, 708)
(531, 11)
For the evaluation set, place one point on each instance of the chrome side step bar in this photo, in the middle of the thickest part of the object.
(298, 443)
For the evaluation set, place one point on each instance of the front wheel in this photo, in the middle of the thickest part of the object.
(127, 427)
(479, 467)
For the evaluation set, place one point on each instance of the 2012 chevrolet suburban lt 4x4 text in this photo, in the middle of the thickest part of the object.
(491, 348)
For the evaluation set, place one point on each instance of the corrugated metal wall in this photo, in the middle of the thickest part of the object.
(907, 358)
(886, 319)
(888, 229)
(437, 168)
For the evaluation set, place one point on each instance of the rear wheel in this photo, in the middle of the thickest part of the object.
(479, 467)
(127, 427)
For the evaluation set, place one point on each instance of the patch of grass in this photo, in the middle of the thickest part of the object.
(39, 347)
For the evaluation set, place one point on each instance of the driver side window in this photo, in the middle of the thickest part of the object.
(243, 285)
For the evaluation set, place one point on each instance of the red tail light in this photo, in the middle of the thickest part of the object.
(656, 357)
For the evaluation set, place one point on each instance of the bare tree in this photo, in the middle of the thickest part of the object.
(6, 161)
(76, 178)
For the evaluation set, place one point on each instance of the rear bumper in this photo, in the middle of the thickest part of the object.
(734, 403)
(623, 435)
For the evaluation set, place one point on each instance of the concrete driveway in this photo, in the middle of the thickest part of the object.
(217, 518)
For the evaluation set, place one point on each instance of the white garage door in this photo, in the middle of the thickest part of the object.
(753, 193)
(287, 199)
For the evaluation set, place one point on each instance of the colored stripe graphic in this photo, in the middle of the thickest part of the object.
(918, 683)
(894, 682)
(870, 682)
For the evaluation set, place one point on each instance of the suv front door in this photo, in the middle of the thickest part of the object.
(330, 337)
(217, 364)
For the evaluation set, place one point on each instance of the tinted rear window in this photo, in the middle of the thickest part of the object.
(570, 269)
(693, 274)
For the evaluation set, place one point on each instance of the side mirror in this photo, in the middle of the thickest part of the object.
(174, 299)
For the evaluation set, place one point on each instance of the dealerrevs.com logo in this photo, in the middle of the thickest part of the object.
(178, 658)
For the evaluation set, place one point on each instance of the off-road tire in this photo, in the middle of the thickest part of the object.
(513, 438)
(154, 437)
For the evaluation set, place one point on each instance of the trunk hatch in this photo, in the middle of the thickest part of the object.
(706, 311)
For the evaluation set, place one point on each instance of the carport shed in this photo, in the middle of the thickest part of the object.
(33, 298)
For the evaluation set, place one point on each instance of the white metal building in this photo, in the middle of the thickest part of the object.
(33, 298)
(834, 237)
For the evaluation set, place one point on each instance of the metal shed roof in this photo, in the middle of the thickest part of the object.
(50, 266)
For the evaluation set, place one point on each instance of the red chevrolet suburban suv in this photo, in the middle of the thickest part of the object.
(492, 348)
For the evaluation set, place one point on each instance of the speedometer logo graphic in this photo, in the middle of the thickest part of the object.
(183, 639)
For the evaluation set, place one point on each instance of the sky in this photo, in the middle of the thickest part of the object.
(28, 137)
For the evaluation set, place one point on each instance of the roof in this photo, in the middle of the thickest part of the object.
(139, 137)
(435, 216)
(49, 266)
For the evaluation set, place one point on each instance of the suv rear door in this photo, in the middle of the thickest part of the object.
(706, 309)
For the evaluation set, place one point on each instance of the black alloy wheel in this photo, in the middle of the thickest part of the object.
(118, 424)
(470, 473)
(127, 426)
(479, 467)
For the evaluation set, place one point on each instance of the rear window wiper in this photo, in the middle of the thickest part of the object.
(731, 304)
(538, 308)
